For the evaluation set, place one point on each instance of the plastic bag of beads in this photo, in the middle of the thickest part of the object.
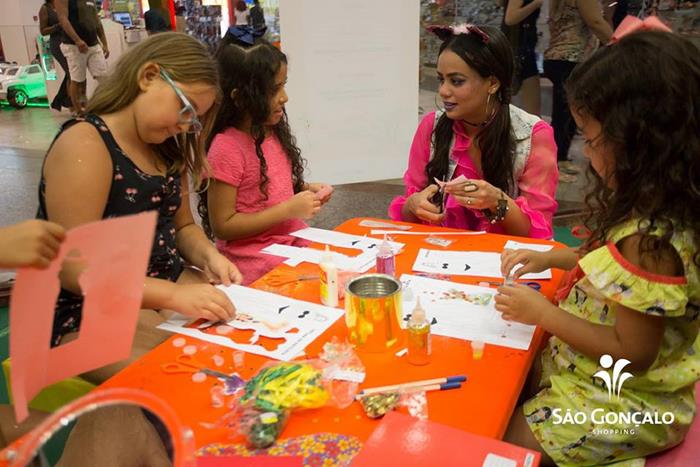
(271, 395)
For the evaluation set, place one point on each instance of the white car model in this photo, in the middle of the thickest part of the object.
(20, 83)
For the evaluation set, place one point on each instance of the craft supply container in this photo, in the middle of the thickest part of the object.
(373, 312)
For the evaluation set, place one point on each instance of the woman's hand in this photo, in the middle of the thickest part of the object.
(475, 194)
(323, 191)
(521, 303)
(532, 261)
(220, 270)
(420, 206)
(201, 301)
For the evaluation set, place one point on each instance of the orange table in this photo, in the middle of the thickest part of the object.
(483, 405)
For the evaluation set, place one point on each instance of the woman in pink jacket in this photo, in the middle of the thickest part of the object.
(501, 162)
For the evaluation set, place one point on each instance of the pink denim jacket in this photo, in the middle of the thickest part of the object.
(536, 174)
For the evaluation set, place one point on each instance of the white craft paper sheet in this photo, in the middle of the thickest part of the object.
(272, 316)
(461, 319)
(360, 263)
(466, 263)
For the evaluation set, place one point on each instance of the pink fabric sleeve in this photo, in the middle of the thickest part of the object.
(538, 183)
(414, 178)
(226, 160)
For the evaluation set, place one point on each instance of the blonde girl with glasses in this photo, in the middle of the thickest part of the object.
(139, 148)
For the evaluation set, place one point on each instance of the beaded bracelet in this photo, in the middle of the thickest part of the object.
(501, 210)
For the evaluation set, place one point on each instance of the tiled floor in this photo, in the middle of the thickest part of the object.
(26, 134)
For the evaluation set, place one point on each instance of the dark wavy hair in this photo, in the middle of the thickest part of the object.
(645, 92)
(496, 140)
(248, 84)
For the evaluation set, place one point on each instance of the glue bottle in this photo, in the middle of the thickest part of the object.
(418, 336)
(329, 279)
(386, 261)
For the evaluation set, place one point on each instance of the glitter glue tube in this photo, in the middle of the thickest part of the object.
(386, 260)
(418, 336)
(328, 280)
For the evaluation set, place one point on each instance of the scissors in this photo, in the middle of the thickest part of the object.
(189, 364)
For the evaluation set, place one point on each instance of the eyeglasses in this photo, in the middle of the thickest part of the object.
(188, 115)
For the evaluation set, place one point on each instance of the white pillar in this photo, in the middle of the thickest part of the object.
(353, 85)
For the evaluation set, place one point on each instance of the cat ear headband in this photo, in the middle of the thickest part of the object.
(632, 24)
(446, 32)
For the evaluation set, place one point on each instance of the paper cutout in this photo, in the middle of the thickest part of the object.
(250, 461)
(454, 181)
(464, 312)
(466, 263)
(272, 325)
(437, 234)
(383, 225)
(116, 252)
(360, 263)
(344, 240)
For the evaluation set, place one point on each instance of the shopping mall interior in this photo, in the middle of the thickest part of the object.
(354, 87)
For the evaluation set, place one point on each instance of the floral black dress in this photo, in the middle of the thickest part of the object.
(132, 191)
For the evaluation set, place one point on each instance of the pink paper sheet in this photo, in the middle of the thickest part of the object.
(116, 252)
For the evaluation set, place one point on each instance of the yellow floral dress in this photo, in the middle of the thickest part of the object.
(574, 417)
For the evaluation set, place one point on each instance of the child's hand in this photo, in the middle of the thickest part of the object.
(32, 243)
(420, 206)
(304, 205)
(201, 301)
(521, 303)
(532, 261)
(219, 270)
(322, 191)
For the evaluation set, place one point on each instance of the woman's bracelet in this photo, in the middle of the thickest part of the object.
(501, 210)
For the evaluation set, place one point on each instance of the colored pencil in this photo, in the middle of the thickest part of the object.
(412, 384)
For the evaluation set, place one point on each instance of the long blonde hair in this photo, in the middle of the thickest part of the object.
(186, 60)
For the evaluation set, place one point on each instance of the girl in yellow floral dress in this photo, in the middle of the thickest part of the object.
(615, 381)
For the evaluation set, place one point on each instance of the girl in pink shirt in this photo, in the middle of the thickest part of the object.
(507, 156)
(256, 195)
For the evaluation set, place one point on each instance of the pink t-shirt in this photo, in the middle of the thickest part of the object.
(233, 160)
(537, 184)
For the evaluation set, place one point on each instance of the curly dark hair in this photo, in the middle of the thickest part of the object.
(496, 140)
(645, 92)
(248, 84)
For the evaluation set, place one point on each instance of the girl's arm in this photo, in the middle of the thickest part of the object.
(194, 246)
(516, 12)
(635, 336)
(593, 17)
(228, 224)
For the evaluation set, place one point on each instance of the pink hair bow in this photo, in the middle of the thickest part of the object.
(632, 24)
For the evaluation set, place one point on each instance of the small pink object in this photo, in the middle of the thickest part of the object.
(218, 360)
(323, 192)
(190, 350)
(238, 358)
(484, 284)
(217, 397)
(179, 342)
(224, 329)
(199, 377)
